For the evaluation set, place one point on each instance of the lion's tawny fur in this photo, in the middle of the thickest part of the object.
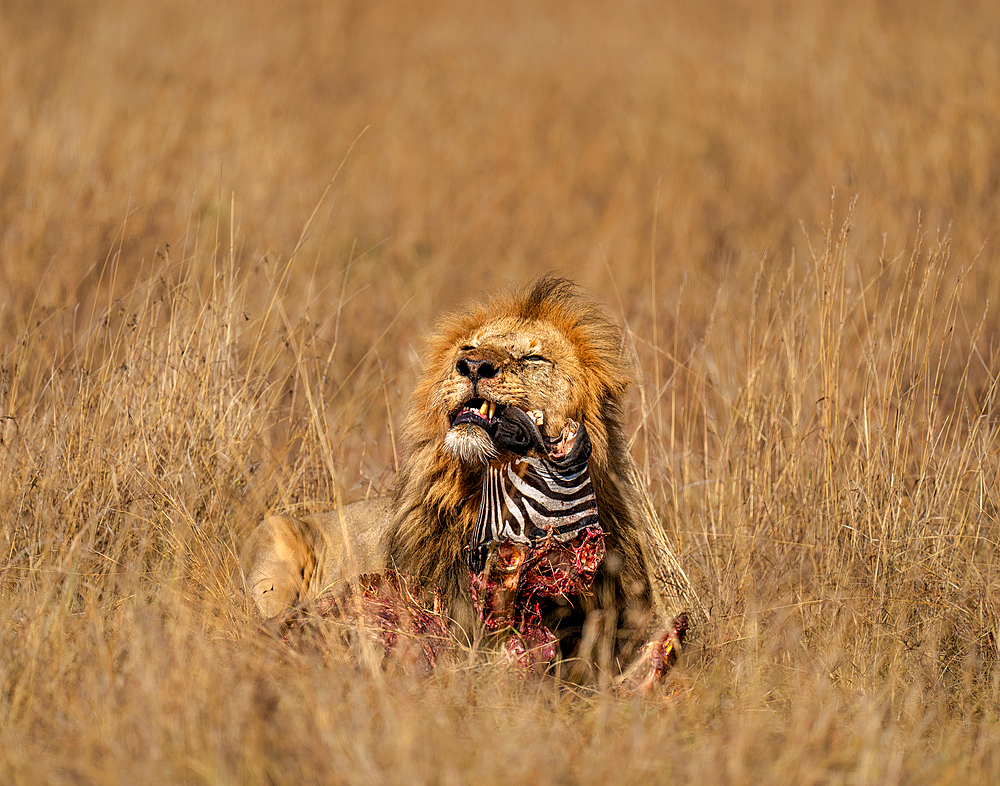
(548, 348)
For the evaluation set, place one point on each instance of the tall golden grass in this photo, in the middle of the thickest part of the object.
(194, 331)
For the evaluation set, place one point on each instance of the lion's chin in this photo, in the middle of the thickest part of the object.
(469, 444)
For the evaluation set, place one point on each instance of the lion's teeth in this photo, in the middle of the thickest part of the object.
(484, 408)
(493, 409)
(538, 416)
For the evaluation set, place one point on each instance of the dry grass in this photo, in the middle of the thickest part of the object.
(184, 345)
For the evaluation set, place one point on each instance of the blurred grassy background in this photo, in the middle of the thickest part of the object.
(191, 334)
(502, 139)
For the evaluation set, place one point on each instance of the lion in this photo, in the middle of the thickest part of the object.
(546, 349)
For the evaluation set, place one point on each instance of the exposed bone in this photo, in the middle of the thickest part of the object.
(567, 439)
(656, 658)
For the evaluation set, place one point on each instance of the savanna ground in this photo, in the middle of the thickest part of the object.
(793, 209)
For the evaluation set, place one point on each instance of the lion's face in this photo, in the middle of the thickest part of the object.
(545, 349)
(505, 362)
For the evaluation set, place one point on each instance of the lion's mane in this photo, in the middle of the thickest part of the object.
(436, 496)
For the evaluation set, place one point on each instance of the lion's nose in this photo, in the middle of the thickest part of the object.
(476, 369)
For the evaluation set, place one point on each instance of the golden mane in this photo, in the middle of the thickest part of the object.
(437, 497)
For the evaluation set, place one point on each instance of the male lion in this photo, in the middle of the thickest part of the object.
(546, 350)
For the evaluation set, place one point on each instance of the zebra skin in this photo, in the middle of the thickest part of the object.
(542, 496)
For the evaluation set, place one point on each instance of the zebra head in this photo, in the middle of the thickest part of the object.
(537, 491)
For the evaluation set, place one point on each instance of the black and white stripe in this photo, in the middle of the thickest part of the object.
(531, 499)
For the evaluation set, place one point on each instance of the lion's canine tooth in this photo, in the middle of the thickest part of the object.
(483, 408)
(492, 410)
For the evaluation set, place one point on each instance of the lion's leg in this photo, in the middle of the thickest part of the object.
(279, 562)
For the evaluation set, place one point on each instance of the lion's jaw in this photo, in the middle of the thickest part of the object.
(528, 365)
(469, 444)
